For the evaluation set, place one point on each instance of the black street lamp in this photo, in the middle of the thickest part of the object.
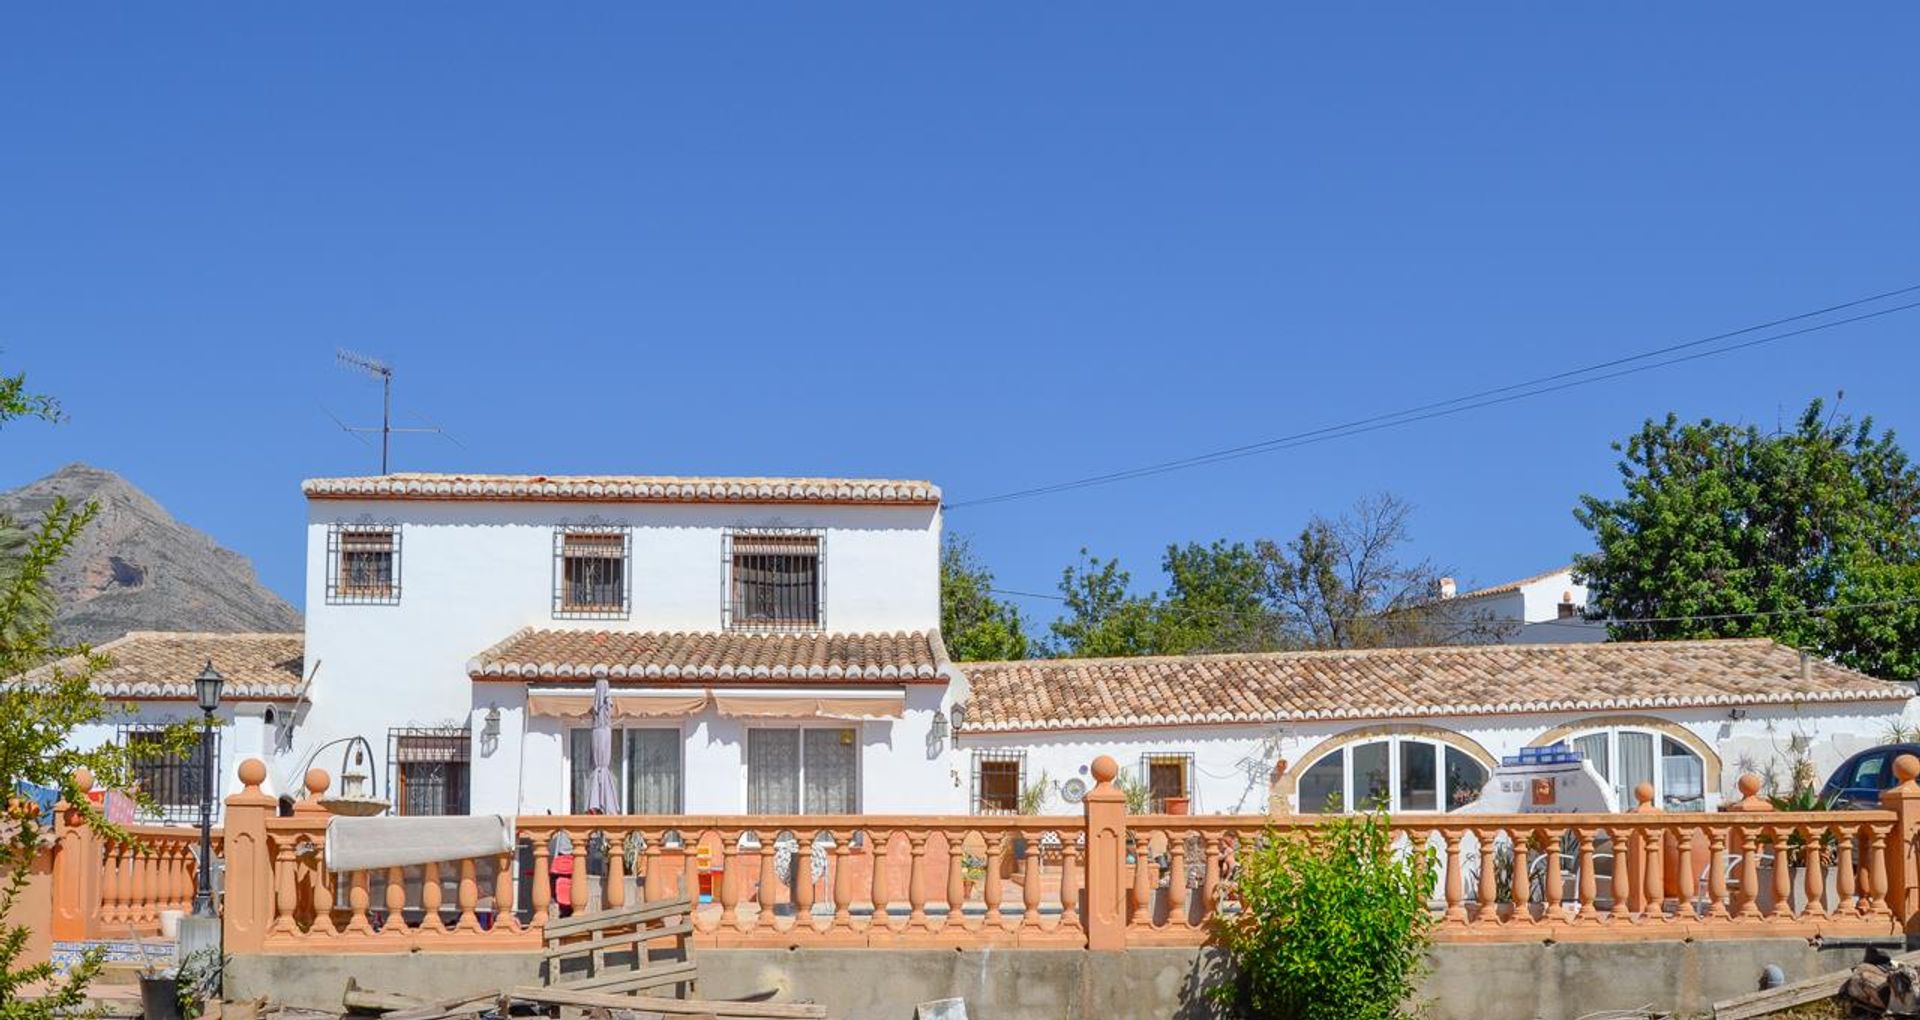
(206, 689)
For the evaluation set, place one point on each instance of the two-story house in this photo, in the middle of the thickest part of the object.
(771, 643)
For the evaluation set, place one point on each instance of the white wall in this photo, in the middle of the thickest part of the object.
(1221, 786)
(472, 573)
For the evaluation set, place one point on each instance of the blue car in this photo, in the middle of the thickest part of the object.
(1858, 781)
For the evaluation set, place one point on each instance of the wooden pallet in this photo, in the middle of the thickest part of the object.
(634, 930)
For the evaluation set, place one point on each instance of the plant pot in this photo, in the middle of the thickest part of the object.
(1178, 805)
(160, 997)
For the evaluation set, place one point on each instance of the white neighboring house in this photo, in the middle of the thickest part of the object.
(150, 676)
(772, 642)
(1543, 609)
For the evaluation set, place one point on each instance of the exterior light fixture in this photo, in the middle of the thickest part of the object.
(939, 725)
(490, 729)
(959, 720)
(206, 690)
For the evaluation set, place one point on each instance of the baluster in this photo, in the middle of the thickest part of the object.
(431, 894)
(1717, 875)
(1846, 883)
(1069, 883)
(1877, 872)
(1813, 840)
(1588, 906)
(467, 896)
(1553, 900)
(878, 844)
(170, 876)
(803, 883)
(579, 899)
(1210, 879)
(729, 882)
(616, 894)
(1653, 879)
(109, 914)
(541, 896)
(654, 882)
(1455, 891)
(842, 884)
(359, 895)
(990, 883)
(1143, 881)
(1489, 891)
(917, 880)
(956, 878)
(1623, 885)
(1177, 880)
(1684, 908)
(396, 923)
(1030, 885)
(764, 897)
(1782, 875)
(286, 889)
(503, 901)
(1747, 903)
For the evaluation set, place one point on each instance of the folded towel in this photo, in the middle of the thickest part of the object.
(356, 844)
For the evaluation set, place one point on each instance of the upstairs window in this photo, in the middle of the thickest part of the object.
(363, 564)
(998, 778)
(775, 582)
(590, 572)
(430, 770)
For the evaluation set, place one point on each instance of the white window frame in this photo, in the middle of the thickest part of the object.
(626, 789)
(859, 763)
(1660, 740)
(1349, 803)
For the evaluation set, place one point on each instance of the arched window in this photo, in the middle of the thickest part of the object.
(1627, 756)
(1400, 772)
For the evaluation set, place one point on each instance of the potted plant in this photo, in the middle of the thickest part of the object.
(159, 990)
(1177, 805)
(197, 982)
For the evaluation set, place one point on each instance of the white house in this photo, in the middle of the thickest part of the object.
(1546, 608)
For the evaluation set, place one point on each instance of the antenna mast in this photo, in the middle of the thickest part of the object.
(377, 369)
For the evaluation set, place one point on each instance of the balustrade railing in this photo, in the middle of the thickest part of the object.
(112, 889)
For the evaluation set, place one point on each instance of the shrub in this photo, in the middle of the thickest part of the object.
(1333, 923)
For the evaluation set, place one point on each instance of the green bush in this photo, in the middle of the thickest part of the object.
(1333, 923)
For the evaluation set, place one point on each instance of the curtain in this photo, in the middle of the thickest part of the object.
(1683, 779)
(831, 770)
(653, 772)
(773, 772)
(1636, 766)
(1594, 746)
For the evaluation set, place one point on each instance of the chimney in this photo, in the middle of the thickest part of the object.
(1806, 665)
(1444, 588)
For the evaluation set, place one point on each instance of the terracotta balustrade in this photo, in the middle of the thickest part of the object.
(107, 889)
(1102, 879)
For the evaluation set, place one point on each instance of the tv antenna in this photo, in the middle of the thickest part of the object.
(378, 369)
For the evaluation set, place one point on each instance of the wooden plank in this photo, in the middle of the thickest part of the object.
(676, 973)
(365, 1000)
(565, 950)
(676, 1007)
(444, 1007)
(1793, 993)
(561, 927)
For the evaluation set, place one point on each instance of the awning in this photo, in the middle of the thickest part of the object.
(851, 706)
(625, 706)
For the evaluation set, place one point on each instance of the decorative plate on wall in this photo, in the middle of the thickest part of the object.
(1073, 790)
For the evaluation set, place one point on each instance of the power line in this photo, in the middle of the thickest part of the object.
(1704, 618)
(1537, 386)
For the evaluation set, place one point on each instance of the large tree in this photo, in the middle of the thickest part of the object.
(975, 625)
(1724, 530)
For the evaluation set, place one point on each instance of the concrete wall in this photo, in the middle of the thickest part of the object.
(473, 573)
(1560, 981)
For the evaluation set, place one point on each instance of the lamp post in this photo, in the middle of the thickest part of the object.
(206, 689)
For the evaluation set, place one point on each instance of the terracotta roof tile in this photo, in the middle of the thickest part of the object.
(162, 665)
(536, 654)
(625, 489)
(1396, 683)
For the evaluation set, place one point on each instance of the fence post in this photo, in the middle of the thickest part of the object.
(76, 867)
(1903, 884)
(1106, 812)
(248, 910)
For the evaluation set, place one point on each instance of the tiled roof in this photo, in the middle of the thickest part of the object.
(534, 654)
(162, 665)
(1396, 683)
(625, 489)
(1509, 587)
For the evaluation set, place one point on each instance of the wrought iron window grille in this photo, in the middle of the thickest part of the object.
(363, 564)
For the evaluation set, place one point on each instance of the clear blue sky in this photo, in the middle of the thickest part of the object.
(992, 246)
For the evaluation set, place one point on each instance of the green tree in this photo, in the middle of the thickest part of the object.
(1103, 617)
(38, 716)
(976, 626)
(1214, 602)
(1738, 532)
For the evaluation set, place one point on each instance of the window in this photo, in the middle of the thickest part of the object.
(998, 778)
(808, 770)
(590, 572)
(1166, 775)
(1404, 773)
(364, 564)
(429, 770)
(1626, 757)
(173, 782)
(645, 766)
(775, 581)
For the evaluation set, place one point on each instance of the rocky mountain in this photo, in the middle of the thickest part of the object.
(136, 568)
